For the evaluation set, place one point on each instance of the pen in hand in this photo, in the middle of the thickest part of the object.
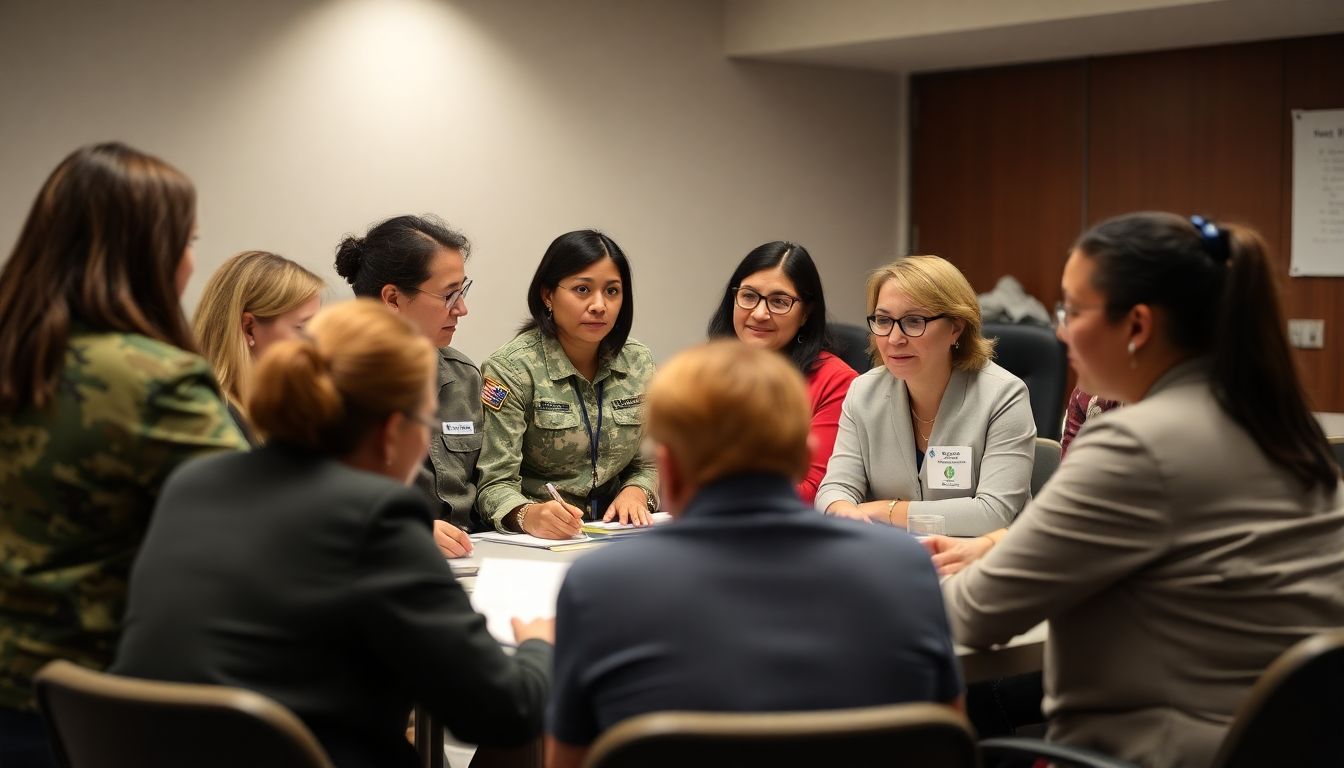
(555, 494)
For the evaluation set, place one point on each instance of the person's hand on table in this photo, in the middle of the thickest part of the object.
(631, 506)
(951, 554)
(848, 509)
(536, 629)
(452, 541)
(552, 520)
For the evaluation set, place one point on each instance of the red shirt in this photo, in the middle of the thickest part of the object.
(826, 385)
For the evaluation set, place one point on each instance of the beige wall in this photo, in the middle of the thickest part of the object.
(302, 120)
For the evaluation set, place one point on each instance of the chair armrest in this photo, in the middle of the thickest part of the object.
(1019, 751)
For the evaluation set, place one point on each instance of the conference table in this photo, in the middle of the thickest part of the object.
(1020, 655)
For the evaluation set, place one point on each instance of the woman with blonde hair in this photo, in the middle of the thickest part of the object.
(254, 300)
(101, 396)
(306, 569)
(937, 428)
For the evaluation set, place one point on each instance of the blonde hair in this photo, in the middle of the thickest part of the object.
(263, 283)
(725, 408)
(937, 285)
(358, 364)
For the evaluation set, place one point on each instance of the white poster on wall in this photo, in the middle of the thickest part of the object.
(1318, 192)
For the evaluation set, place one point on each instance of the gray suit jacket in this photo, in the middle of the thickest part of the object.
(987, 410)
(1174, 562)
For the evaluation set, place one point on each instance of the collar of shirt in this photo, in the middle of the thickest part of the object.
(559, 368)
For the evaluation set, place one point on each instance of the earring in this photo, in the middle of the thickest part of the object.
(799, 338)
(549, 311)
(1133, 362)
(956, 345)
(251, 342)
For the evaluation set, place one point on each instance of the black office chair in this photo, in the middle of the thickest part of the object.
(1033, 354)
(97, 720)
(850, 343)
(1291, 716)
(925, 735)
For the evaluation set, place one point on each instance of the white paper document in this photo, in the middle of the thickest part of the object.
(526, 540)
(507, 588)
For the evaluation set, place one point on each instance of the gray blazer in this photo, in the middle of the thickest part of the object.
(987, 410)
(1174, 562)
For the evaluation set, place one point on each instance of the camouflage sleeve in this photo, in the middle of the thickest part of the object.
(503, 395)
(641, 472)
(184, 416)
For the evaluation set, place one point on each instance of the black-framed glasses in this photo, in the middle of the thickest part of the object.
(911, 325)
(451, 299)
(775, 303)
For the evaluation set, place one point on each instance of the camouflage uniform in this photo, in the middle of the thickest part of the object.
(534, 427)
(448, 478)
(77, 482)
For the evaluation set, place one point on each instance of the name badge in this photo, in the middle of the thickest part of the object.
(459, 428)
(948, 467)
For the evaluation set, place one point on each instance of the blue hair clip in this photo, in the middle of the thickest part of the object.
(1212, 238)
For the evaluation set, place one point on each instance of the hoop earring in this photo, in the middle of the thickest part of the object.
(798, 339)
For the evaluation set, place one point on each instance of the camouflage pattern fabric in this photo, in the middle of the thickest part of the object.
(534, 429)
(78, 480)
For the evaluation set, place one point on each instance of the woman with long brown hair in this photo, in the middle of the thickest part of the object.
(101, 396)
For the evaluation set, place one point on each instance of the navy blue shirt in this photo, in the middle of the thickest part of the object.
(751, 601)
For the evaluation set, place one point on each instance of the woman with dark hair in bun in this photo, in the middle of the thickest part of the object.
(1192, 536)
(416, 266)
(306, 570)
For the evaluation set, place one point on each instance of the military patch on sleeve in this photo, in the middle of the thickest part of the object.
(628, 402)
(493, 393)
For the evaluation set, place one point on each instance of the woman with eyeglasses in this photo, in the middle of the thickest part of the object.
(254, 300)
(564, 400)
(416, 266)
(1193, 535)
(774, 301)
(306, 570)
(938, 428)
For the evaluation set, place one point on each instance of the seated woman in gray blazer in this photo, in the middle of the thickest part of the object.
(1192, 536)
(938, 428)
(307, 570)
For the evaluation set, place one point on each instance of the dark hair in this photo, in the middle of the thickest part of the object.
(571, 253)
(1219, 291)
(101, 247)
(397, 251)
(797, 265)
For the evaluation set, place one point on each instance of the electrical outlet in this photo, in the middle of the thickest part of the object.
(1306, 334)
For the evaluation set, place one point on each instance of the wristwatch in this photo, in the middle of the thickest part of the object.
(650, 499)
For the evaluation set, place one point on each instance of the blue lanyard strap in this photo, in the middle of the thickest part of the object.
(594, 436)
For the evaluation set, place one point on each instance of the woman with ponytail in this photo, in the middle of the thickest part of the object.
(1192, 536)
(307, 570)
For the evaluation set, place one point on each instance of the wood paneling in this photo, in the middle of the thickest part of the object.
(1313, 78)
(1009, 164)
(996, 171)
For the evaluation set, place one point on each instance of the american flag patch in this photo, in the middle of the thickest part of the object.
(493, 393)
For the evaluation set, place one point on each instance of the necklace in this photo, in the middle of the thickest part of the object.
(918, 420)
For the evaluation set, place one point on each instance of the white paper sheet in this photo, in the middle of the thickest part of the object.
(507, 588)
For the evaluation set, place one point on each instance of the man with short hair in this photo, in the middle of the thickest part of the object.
(750, 600)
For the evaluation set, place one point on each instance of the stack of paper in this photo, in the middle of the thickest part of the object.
(528, 540)
(613, 528)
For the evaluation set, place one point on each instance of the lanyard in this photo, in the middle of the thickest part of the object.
(594, 436)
